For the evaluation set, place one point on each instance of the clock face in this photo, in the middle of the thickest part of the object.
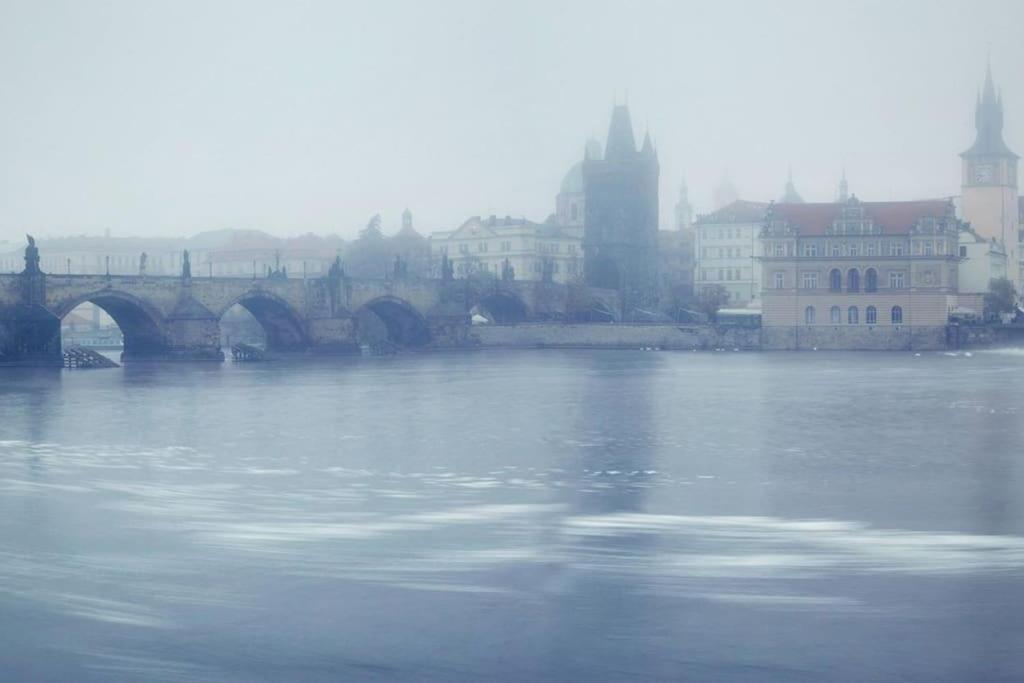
(983, 173)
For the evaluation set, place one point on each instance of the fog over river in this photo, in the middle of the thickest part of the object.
(516, 515)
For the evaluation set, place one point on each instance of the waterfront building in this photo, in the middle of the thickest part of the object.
(859, 275)
(981, 261)
(990, 201)
(482, 245)
(620, 232)
(726, 250)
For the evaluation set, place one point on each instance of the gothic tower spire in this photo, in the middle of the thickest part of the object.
(621, 144)
(988, 121)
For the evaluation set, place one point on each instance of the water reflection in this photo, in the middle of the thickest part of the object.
(533, 515)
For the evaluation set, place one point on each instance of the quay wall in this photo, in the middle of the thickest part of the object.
(616, 336)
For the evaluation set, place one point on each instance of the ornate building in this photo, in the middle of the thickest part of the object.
(859, 275)
(989, 179)
(620, 233)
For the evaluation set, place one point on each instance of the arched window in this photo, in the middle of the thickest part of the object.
(853, 280)
(809, 315)
(835, 280)
(871, 315)
(871, 280)
(835, 315)
(852, 315)
(897, 315)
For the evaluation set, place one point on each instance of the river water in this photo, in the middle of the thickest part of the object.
(551, 515)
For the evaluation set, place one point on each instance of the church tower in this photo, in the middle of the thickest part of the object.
(620, 225)
(989, 178)
(684, 210)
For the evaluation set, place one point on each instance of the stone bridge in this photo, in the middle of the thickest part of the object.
(178, 317)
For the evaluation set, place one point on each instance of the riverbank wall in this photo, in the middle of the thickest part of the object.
(616, 336)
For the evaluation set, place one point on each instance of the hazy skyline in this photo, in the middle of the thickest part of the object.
(173, 118)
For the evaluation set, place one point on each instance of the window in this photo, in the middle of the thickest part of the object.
(963, 252)
(851, 315)
(810, 249)
(896, 315)
(704, 275)
(835, 280)
(704, 252)
(941, 247)
(853, 280)
(929, 248)
(872, 249)
(809, 315)
(573, 211)
(481, 246)
(871, 280)
(463, 248)
(871, 315)
(835, 249)
(506, 246)
(896, 280)
(835, 315)
(896, 248)
(809, 280)
(721, 274)
(854, 249)
(779, 279)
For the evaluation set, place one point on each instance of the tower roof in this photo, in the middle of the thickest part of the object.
(620, 145)
(988, 122)
(791, 196)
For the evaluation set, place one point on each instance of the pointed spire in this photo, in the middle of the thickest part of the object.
(844, 187)
(791, 196)
(988, 120)
(621, 145)
(648, 147)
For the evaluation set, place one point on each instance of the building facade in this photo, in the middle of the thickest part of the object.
(620, 233)
(981, 261)
(726, 250)
(989, 196)
(859, 275)
(481, 246)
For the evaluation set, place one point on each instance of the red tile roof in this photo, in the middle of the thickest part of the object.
(894, 218)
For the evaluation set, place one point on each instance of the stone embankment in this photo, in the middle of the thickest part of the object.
(616, 336)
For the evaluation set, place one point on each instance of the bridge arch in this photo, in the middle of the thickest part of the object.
(142, 326)
(282, 324)
(394, 319)
(502, 307)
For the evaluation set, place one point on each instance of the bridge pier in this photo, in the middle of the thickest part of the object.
(192, 339)
(333, 335)
(29, 335)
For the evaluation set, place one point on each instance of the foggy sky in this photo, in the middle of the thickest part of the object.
(169, 118)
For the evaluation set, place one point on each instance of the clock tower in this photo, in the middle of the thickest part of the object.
(989, 180)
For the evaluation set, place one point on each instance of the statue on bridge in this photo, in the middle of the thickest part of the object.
(401, 268)
(31, 257)
(447, 269)
(142, 263)
(186, 266)
(336, 271)
(508, 273)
